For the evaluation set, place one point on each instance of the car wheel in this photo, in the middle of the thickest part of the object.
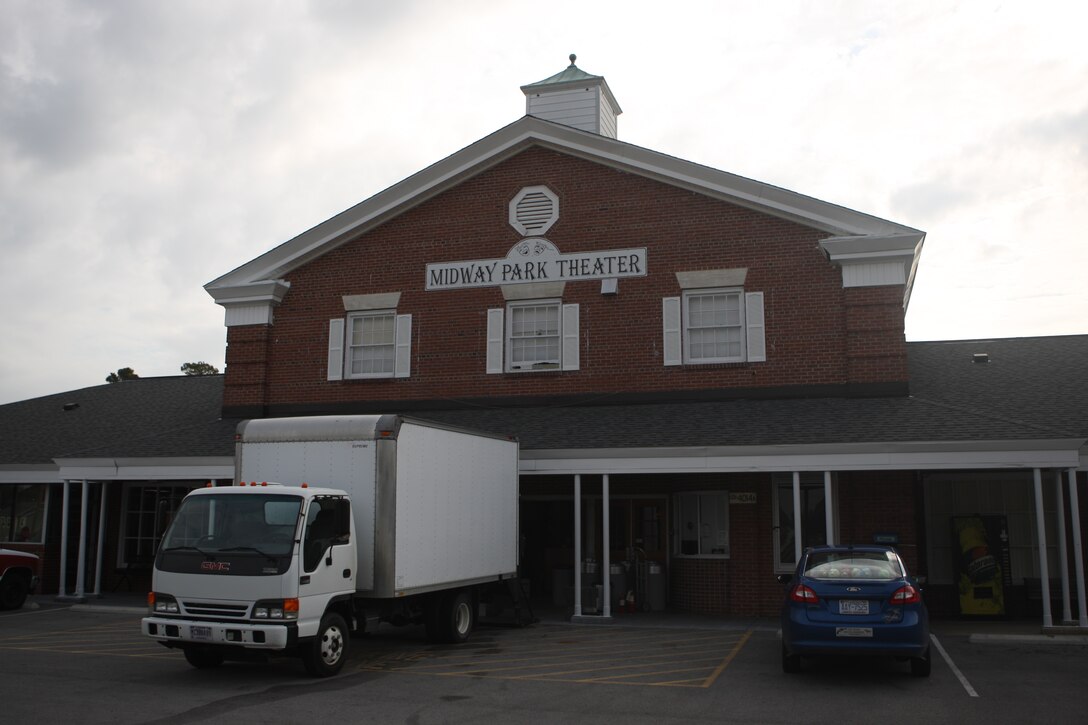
(325, 654)
(13, 591)
(920, 666)
(203, 658)
(791, 664)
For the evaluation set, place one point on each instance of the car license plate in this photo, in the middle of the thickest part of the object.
(853, 606)
(202, 633)
(853, 631)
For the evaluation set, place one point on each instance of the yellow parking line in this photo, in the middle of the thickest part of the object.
(729, 658)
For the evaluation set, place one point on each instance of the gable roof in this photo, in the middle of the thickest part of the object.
(852, 235)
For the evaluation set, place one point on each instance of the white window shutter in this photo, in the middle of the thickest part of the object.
(670, 318)
(402, 363)
(756, 333)
(336, 349)
(570, 337)
(495, 333)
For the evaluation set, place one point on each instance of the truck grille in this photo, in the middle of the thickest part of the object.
(212, 609)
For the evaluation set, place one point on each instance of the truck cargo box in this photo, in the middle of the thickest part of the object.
(435, 506)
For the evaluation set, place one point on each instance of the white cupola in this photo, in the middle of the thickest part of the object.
(574, 98)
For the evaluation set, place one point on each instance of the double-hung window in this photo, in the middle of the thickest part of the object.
(713, 326)
(533, 331)
(532, 335)
(370, 343)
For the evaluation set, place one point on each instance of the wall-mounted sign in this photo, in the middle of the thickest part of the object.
(742, 497)
(537, 260)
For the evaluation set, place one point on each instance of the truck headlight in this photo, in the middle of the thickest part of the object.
(159, 603)
(278, 609)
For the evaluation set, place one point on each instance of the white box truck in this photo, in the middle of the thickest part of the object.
(333, 525)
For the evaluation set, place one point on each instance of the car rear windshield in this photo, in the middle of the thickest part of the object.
(878, 565)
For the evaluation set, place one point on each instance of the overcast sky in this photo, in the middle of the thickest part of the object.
(147, 148)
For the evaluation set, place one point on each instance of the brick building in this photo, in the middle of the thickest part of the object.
(705, 372)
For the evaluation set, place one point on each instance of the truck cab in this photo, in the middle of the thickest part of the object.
(258, 566)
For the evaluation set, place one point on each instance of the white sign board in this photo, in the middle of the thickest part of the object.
(537, 260)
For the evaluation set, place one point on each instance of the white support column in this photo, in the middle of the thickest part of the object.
(829, 509)
(577, 545)
(606, 570)
(62, 589)
(101, 540)
(1063, 560)
(81, 565)
(1044, 571)
(797, 517)
(1078, 556)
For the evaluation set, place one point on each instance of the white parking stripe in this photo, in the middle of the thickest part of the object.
(952, 666)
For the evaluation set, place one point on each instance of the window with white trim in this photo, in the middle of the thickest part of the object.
(532, 335)
(370, 344)
(702, 524)
(713, 326)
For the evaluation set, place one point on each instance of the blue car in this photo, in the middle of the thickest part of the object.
(854, 600)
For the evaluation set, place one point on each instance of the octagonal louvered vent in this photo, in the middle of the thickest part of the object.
(534, 210)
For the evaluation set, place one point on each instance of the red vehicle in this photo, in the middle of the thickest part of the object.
(18, 577)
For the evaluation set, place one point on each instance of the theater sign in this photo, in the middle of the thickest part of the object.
(537, 260)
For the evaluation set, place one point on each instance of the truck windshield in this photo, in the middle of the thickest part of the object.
(251, 534)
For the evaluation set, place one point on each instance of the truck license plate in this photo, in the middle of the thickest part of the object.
(202, 633)
(853, 631)
(853, 606)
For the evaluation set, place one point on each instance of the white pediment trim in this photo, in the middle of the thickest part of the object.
(837, 221)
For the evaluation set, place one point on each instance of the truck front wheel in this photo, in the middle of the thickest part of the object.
(325, 654)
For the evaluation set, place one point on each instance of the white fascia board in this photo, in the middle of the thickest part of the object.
(146, 469)
(31, 473)
(861, 457)
(529, 131)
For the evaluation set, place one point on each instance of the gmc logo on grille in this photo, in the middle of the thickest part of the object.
(215, 566)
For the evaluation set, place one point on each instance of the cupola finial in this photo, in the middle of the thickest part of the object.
(573, 58)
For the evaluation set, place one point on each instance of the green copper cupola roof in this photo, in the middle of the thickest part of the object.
(574, 98)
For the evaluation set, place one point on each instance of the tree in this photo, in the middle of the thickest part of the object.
(199, 368)
(122, 374)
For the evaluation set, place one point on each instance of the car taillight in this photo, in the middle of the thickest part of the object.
(803, 595)
(906, 595)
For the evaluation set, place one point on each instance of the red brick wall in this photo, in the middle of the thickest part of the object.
(876, 346)
(817, 333)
